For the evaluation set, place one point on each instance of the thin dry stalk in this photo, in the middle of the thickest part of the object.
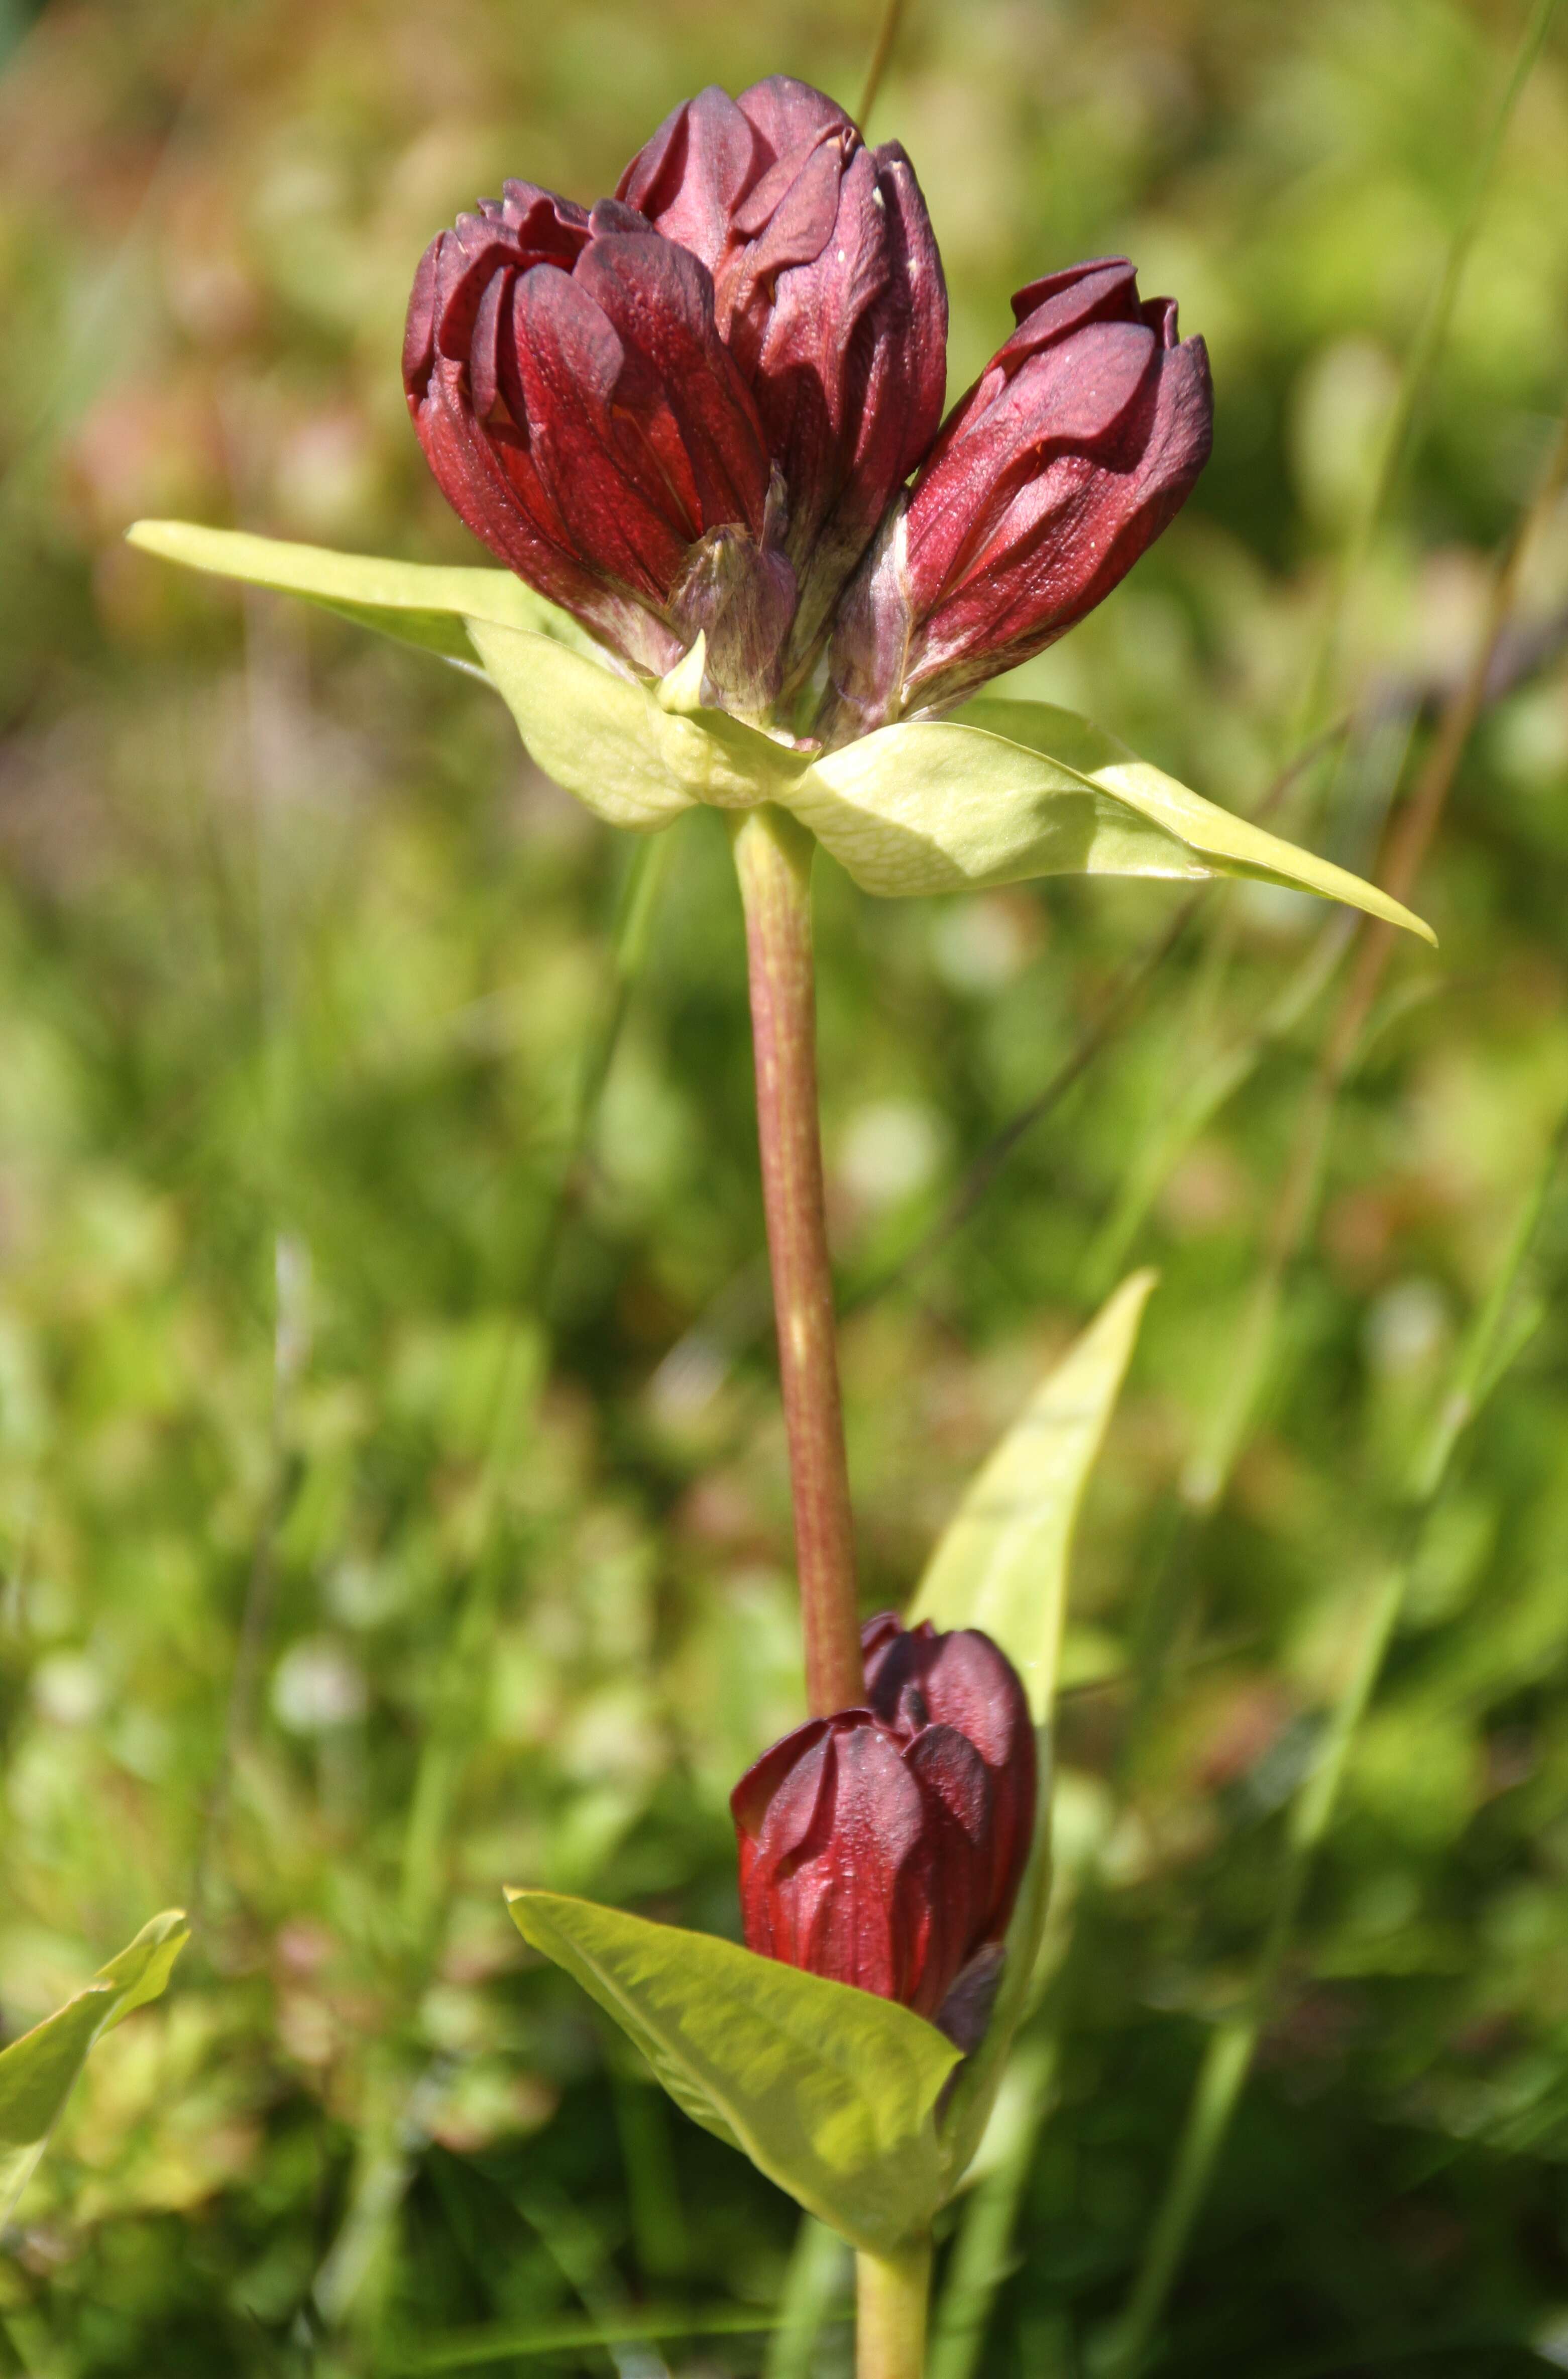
(1420, 368)
(887, 35)
(1408, 840)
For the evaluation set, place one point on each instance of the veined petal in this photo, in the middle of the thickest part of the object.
(689, 179)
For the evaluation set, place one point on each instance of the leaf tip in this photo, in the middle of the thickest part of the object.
(1396, 913)
(519, 1898)
(1389, 911)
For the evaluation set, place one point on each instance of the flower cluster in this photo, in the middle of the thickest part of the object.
(885, 1846)
(698, 407)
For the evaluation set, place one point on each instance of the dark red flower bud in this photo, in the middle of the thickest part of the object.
(1078, 444)
(885, 1846)
(915, 1677)
(828, 292)
(583, 416)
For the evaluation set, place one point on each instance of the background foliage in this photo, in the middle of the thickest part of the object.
(392, 1499)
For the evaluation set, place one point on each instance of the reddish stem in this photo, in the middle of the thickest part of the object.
(773, 859)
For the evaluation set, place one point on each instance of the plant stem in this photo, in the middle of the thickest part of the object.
(773, 859)
(891, 2296)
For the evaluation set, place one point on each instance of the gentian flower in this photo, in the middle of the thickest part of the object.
(1078, 444)
(746, 563)
(827, 290)
(583, 416)
(690, 408)
(885, 1846)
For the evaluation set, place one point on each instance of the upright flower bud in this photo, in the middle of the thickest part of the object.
(828, 292)
(1078, 444)
(583, 416)
(885, 1846)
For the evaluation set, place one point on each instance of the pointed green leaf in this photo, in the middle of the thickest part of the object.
(1002, 1562)
(422, 603)
(830, 2091)
(1006, 791)
(37, 2072)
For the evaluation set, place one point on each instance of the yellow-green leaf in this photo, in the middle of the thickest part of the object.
(830, 2091)
(1003, 791)
(1002, 1566)
(37, 2072)
(1002, 1562)
(1007, 790)
(422, 603)
(594, 732)
(637, 755)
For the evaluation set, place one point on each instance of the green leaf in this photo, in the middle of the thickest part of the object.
(37, 2072)
(1002, 1564)
(422, 603)
(594, 732)
(636, 754)
(1002, 1561)
(830, 2091)
(1007, 790)
(1003, 791)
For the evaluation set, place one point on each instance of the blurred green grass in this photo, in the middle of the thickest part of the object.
(322, 1364)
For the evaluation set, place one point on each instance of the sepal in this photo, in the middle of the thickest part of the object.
(637, 755)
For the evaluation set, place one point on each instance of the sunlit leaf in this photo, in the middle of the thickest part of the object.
(37, 2072)
(1001, 1565)
(830, 2091)
(637, 755)
(1004, 791)
(1007, 790)
(594, 732)
(1002, 1561)
(423, 603)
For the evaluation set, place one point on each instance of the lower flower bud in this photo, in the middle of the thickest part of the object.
(885, 1846)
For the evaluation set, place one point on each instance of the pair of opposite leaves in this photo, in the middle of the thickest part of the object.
(1001, 791)
(841, 2097)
